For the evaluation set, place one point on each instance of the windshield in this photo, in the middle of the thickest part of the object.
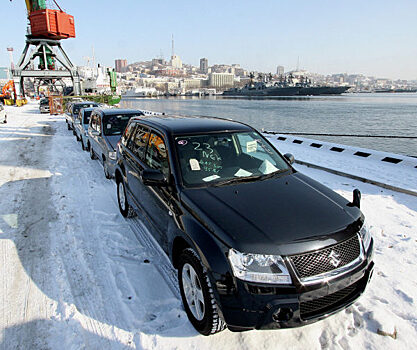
(77, 107)
(226, 157)
(116, 124)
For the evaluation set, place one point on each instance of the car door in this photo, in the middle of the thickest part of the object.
(96, 135)
(158, 199)
(134, 161)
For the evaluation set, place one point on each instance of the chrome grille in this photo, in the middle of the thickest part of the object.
(328, 259)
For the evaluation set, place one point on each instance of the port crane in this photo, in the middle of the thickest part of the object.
(47, 27)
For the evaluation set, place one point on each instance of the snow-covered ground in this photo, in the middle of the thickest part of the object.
(76, 275)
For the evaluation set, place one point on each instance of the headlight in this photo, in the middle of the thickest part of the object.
(366, 236)
(112, 155)
(259, 268)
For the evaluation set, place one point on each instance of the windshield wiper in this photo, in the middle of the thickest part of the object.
(249, 178)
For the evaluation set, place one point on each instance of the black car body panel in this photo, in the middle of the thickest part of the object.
(259, 216)
(287, 214)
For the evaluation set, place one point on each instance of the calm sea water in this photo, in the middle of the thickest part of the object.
(373, 114)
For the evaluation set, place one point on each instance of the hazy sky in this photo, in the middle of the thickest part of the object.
(371, 37)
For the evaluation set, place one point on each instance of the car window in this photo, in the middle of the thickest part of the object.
(213, 158)
(98, 123)
(93, 122)
(127, 134)
(250, 145)
(77, 107)
(116, 124)
(87, 115)
(140, 141)
(156, 155)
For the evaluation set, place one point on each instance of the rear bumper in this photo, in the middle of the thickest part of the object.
(254, 306)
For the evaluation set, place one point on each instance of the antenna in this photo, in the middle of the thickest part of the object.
(94, 58)
(172, 45)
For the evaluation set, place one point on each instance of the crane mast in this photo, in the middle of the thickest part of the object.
(47, 28)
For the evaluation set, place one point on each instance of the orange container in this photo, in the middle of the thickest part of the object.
(52, 24)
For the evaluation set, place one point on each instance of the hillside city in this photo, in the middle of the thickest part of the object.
(174, 78)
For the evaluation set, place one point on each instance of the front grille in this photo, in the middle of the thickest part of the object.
(328, 259)
(321, 305)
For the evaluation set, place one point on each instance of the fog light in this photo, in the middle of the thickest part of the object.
(282, 314)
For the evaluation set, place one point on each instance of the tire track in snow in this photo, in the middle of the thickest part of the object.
(163, 264)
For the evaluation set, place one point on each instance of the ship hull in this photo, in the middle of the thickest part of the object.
(268, 92)
(322, 90)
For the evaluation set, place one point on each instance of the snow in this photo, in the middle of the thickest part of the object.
(76, 275)
(402, 175)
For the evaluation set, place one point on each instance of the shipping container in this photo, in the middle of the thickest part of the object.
(52, 24)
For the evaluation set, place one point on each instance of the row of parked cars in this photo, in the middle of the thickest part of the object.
(257, 244)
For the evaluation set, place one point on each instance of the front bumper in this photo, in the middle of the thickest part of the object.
(253, 306)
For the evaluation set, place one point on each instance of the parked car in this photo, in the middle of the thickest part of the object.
(104, 131)
(3, 116)
(81, 126)
(44, 105)
(257, 244)
(73, 110)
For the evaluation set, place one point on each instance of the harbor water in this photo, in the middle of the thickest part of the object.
(379, 114)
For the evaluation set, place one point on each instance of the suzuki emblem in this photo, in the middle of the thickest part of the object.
(334, 258)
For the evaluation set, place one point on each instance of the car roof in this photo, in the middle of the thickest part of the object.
(88, 109)
(84, 102)
(117, 111)
(177, 125)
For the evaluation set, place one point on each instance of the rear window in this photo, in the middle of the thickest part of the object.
(77, 108)
(116, 124)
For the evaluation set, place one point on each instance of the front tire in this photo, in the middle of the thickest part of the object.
(125, 209)
(197, 294)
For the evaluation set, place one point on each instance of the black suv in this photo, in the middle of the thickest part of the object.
(257, 244)
(104, 131)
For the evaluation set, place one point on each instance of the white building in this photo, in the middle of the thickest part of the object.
(221, 80)
(176, 61)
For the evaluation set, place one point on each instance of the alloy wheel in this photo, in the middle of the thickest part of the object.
(193, 291)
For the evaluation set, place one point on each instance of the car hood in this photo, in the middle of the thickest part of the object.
(113, 140)
(284, 215)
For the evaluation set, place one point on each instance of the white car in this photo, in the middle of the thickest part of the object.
(3, 116)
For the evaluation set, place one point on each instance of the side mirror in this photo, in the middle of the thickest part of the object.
(289, 157)
(152, 177)
(356, 198)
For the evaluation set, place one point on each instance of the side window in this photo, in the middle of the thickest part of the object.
(93, 122)
(138, 145)
(127, 134)
(98, 121)
(156, 155)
